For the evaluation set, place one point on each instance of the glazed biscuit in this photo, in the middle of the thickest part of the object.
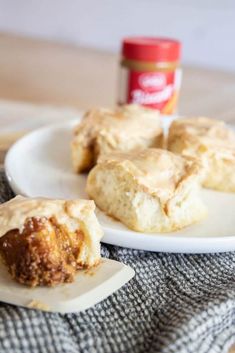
(44, 242)
(103, 131)
(211, 141)
(152, 190)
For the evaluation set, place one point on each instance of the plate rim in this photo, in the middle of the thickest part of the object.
(14, 146)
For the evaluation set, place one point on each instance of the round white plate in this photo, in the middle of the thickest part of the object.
(40, 165)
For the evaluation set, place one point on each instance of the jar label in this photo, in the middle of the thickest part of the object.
(158, 90)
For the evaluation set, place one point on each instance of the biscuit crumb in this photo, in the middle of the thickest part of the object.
(37, 304)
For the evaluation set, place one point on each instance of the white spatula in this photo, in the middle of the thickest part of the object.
(89, 288)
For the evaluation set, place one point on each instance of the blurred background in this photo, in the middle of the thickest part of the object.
(66, 53)
(206, 27)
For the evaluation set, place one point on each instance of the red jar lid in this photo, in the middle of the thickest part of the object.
(151, 49)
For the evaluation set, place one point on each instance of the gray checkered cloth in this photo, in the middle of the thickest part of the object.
(174, 304)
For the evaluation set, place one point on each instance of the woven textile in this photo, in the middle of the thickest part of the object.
(175, 303)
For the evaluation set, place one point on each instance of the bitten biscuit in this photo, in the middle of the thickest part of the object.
(103, 131)
(212, 142)
(44, 242)
(152, 190)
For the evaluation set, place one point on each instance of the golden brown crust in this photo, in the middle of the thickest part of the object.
(44, 242)
(125, 129)
(45, 253)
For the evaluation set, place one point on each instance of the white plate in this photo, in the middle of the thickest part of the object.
(89, 288)
(40, 165)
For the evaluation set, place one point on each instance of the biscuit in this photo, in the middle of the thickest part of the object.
(44, 242)
(211, 141)
(152, 190)
(103, 131)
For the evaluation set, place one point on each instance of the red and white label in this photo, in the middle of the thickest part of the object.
(157, 90)
(152, 81)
